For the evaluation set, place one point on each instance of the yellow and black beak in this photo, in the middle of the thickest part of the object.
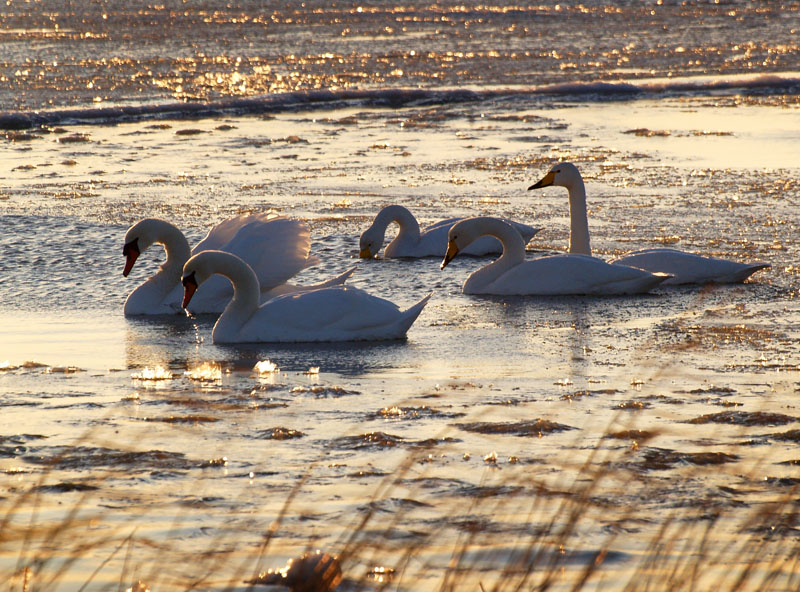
(452, 251)
(131, 252)
(365, 253)
(546, 181)
(189, 288)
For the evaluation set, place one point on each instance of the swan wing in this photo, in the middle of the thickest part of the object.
(276, 247)
(339, 313)
(222, 233)
(573, 274)
(690, 268)
(276, 250)
(437, 226)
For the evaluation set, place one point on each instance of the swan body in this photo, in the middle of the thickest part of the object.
(690, 268)
(551, 275)
(685, 268)
(337, 313)
(275, 246)
(431, 242)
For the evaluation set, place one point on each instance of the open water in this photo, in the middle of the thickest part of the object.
(645, 442)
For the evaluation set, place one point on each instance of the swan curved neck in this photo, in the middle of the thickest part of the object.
(154, 294)
(579, 221)
(176, 246)
(409, 227)
(513, 251)
(246, 290)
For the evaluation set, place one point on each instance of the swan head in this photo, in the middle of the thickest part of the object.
(370, 243)
(562, 174)
(140, 236)
(196, 271)
(189, 282)
(459, 237)
(131, 252)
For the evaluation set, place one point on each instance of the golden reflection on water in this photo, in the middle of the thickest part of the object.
(207, 372)
(237, 51)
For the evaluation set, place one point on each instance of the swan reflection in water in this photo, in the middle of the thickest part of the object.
(178, 343)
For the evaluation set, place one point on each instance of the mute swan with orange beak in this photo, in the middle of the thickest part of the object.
(338, 313)
(277, 247)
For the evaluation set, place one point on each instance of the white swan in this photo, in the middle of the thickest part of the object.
(273, 245)
(338, 313)
(432, 242)
(685, 268)
(551, 275)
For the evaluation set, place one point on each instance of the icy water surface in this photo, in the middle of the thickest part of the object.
(508, 443)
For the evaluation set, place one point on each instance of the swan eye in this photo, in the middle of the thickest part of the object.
(130, 247)
(189, 279)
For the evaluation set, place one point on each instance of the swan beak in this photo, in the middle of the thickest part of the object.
(131, 252)
(546, 181)
(452, 251)
(365, 253)
(189, 288)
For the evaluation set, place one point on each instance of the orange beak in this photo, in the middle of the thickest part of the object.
(189, 288)
(131, 252)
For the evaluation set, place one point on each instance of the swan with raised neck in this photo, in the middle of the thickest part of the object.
(512, 274)
(338, 313)
(685, 268)
(412, 241)
(566, 174)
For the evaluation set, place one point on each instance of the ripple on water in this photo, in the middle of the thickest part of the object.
(745, 418)
(81, 458)
(279, 433)
(534, 428)
(662, 459)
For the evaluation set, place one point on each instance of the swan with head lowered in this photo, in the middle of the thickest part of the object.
(685, 268)
(431, 242)
(550, 275)
(277, 247)
(338, 313)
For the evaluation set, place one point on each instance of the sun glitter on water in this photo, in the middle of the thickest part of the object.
(205, 372)
(153, 374)
(266, 367)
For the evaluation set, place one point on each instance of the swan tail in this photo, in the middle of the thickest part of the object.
(410, 315)
(525, 231)
(640, 285)
(658, 279)
(338, 280)
(742, 274)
